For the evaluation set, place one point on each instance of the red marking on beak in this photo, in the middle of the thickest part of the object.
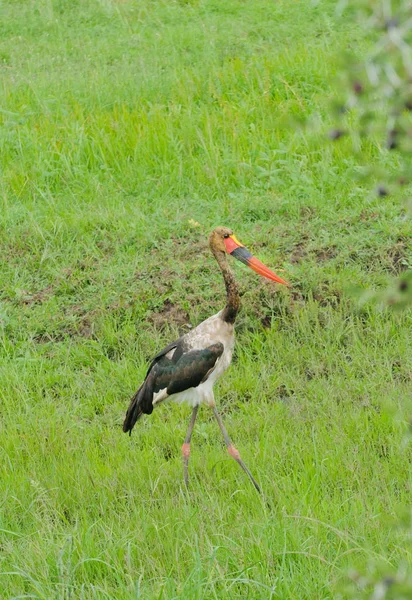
(232, 243)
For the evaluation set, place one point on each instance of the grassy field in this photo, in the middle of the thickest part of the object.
(128, 131)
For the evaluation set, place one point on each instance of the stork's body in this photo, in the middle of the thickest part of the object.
(212, 343)
(187, 369)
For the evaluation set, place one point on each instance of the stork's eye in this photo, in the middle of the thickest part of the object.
(226, 235)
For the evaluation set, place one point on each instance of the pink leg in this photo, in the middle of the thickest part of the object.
(234, 453)
(186, 445)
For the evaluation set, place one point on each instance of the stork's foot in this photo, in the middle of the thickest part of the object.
(234, 452)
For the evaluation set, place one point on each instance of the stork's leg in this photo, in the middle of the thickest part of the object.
(234, 453)
(186, 445)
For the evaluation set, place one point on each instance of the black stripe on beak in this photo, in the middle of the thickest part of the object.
(242, 254)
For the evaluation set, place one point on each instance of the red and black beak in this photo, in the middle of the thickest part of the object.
(236, 249)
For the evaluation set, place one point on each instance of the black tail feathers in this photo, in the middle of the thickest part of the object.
(134, 412)
(141, 403)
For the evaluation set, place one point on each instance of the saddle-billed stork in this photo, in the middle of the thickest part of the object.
(187, 369)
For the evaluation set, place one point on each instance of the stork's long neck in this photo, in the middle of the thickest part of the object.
(233, 299)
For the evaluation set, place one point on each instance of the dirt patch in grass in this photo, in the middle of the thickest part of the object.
(191, 247)
(158, 279)
(400, 372)
(84, 329)
(266, 321)
(83, 325)
(16, 248)
(47, 338)
(397, 257)
(283, 393)
(38, 297)
(326, 253)
(307, 212)
(183, 248)
(298, 296)
(316, 372)
(368, 216)
(299, 253)
(170, 314)
(327, 297)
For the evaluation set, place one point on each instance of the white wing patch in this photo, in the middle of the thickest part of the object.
(159, 396)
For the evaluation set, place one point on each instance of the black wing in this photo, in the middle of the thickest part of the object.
(183, 370)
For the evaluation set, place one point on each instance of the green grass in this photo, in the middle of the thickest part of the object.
(121, 122)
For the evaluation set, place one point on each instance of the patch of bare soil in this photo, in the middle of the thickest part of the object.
(397, 257)
(46, 338)
(38, 297)
(299, 253)
(317, 372)
(191, 248)
(326, 253)
(297, 296)
(400, 372)
(283, 393)
(169, 314)
(327, 297)
(82, 327)
(368, 216)
(266, 321)
(159, 280)
(184, 248)
(307, 212)
(16, 248)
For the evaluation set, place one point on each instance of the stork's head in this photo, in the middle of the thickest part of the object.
(222, 239)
